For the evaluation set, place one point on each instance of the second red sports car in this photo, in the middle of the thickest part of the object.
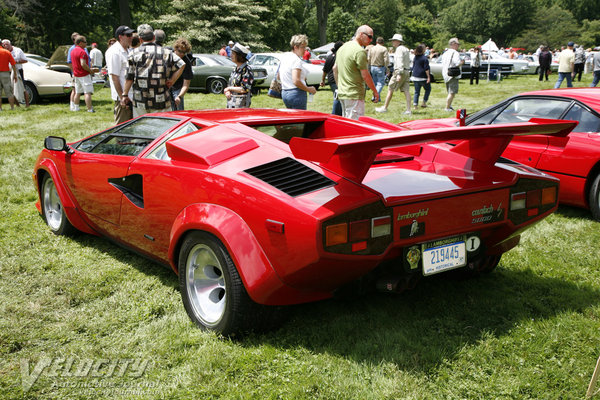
(574, 159)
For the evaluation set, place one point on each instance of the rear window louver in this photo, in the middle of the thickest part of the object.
(290, 176)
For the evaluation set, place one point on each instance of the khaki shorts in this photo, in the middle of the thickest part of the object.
(83, 84)
(353, 109)
(452, 85)
(400, 80)
(5, 84)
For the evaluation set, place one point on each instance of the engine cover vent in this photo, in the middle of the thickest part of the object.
(290, 176)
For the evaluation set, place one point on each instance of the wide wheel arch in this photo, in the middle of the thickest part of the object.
(254, 268)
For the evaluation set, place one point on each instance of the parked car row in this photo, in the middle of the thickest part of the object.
(494, 62)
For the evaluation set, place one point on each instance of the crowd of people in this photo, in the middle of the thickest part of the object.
(147, 76)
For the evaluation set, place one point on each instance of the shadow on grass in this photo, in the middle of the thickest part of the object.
(574, 212)
(417, 330)
(136, 260)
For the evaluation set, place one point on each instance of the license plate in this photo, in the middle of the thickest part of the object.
(443, 257)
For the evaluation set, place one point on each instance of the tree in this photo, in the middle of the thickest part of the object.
(210, 23)
(282, 22)
(590, 33)
(416, 25)
(554, 27)
(341, 25)
(478, 20)
(322, 16)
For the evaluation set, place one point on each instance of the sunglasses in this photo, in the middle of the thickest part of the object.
(369, 36)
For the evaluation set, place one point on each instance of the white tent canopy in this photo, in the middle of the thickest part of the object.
(324, 49)
(489, 46)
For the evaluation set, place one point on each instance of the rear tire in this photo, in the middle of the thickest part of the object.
(594, 198)
(34, 97)
(52, 209)
(212, 291)
(483, 265)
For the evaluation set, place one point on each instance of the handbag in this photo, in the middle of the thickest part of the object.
(275, 86)
(453, 71)
(275, 89)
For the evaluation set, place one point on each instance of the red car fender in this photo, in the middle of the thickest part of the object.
(68, 204)
(261, 282)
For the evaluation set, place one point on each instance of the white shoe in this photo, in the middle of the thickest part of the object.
(407, 112)
(75, 108)
(71, 106)
(381, 109)
(449, 109)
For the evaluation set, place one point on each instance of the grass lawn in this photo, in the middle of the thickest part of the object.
(82, 318)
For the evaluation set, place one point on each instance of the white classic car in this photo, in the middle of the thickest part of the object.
(270, 61)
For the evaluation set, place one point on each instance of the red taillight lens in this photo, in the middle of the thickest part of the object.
(534, 197)
(359, 230)
(336, 234)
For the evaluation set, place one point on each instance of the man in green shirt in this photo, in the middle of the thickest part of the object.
(351, 73)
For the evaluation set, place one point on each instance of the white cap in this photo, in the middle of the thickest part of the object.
(398, 37)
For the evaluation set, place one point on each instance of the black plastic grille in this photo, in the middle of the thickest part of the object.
(290, 176)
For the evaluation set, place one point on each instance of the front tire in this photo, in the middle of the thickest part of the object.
(52, 209)
(216, 86)
(594, 198)
(212, 291)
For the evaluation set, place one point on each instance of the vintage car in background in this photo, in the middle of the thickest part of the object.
(255, 208)
(497, 64)
(58, 62)
(534, 64)
(574, 159)
(41, 82)
(270, 61)
(212, 71)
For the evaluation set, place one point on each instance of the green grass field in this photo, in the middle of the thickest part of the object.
(83, 319)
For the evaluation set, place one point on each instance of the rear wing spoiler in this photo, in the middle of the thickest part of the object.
(352, 157)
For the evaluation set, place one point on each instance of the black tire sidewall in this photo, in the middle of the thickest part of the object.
(227, 324)
(594, 198)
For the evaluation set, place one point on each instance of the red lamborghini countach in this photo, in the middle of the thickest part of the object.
(256, 208)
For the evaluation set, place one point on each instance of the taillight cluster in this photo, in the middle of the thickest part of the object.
(525, 205)
(358, 233)
(533, 199)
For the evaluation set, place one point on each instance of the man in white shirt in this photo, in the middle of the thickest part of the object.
(450, 61)
(20, 59)
(96, 56)
(117, 64)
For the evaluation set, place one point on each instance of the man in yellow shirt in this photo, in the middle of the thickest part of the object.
(566, 61)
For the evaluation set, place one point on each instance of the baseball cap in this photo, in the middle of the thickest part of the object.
(238, 48)
(145, 31)
(123, 30)
(570, 44)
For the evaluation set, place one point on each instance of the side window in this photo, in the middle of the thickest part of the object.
(129, 139)
(160, 152)
(522, 110)
(588, 122)
(198, 62)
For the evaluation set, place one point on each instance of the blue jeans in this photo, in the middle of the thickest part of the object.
(294, 98)
(418, 86)
(596, 78)
(561, 77)
(378, 74)
(337, 106)
(175, 93)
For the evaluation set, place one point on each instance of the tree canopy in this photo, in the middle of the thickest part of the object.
(39, 26)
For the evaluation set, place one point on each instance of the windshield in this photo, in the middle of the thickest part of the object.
(215, 59)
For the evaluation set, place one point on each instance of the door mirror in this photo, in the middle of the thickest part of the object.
(56, 143)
